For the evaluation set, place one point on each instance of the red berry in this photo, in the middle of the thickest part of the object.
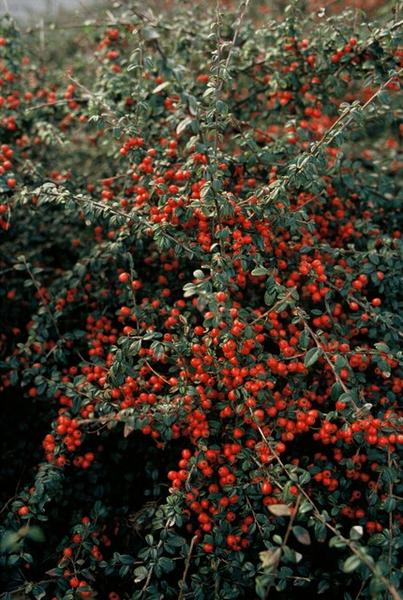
(123, 277)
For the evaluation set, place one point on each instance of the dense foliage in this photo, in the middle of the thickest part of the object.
(200, 265)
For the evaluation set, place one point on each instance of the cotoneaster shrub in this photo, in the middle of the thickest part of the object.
(200, 269)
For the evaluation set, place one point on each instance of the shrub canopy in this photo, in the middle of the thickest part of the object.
(200, 266)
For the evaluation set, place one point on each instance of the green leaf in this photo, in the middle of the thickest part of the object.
(351, 564)
(279, 510)
(302, 535)
(140, 573)
(312, 356)
(336, 542)
(356, 532)
(167, 564)
(382, 347)
(270, 558)
(161, 86)
(149, 34)
(303, 340)
(35, 534)
(323, 586)
(134, 347)
(258, 271)
(38, 592)
(184, 124)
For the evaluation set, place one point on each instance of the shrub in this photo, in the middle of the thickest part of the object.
(200, 269)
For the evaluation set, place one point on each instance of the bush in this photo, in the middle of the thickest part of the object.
(199, 290)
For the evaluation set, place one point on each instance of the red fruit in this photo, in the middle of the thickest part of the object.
(259, 414)
(123, 277)
(266, 488)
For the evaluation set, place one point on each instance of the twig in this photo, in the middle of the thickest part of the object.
(325, 355)
(390, 523)
(285, 539)
(244, 8)
(55, 103)
(185, 572)
(345, 119)
(128, 217)
(274, 307)
(317, 514)
(38, 289)
(156, 373)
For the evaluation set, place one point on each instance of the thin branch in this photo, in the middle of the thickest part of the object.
(156, 373)
(285, 538)
(317, 514)
(185, 572)
(42, 300)
(325, 355)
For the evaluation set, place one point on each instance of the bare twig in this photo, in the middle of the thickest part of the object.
(319, 517)
(285, 538)
(325, 355)
(38, 289)
(156, 373)
(185, 572)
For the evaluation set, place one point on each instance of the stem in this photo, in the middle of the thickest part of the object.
(273, 308)
(38, 289)
(285, 539)
(185, 572)
(326, 356)
(345, 119)
(317, 514)
(390, 541)
(156, 373)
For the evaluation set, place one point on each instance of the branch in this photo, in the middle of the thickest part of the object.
(185, 572)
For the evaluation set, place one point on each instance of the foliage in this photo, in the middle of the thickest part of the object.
(200, 266)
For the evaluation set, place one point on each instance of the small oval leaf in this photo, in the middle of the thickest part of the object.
(279, 510)
(312, 356)
(302, 535)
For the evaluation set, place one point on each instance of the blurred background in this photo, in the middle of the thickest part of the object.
(26, 9)
(50, 9)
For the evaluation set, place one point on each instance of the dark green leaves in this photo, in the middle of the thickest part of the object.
(302, 535)
(312, 356)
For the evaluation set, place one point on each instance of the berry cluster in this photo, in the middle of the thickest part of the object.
(200, 298)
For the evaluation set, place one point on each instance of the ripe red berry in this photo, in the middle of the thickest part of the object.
(123, 277)
(266, 488)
